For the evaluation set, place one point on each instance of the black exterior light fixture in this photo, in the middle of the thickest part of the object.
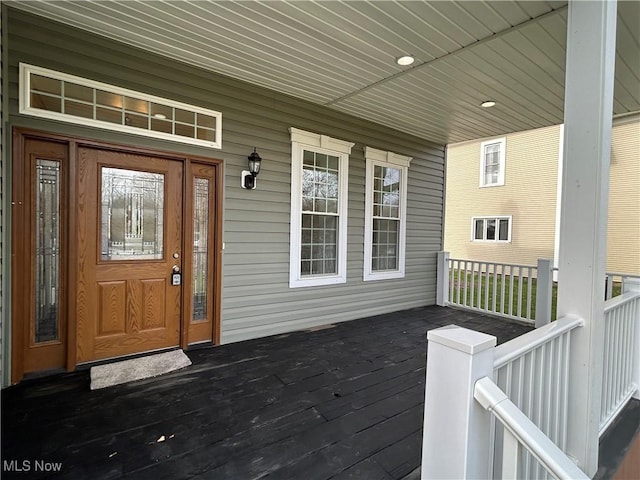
(249, 176)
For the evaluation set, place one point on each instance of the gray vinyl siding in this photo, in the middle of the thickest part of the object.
(256, 298)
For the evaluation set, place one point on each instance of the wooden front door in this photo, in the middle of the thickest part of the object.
(129, 245)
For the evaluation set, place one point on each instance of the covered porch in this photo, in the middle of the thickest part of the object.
(344, 401)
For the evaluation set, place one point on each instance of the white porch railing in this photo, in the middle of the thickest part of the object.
(518, 292)
(524, 384)
(618, 283)
(621, 378)
(520, 430)
(532, 374)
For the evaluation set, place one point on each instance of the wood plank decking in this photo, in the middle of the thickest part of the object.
(344, 402)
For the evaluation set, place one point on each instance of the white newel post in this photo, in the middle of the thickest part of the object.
(633, 285)
(544, 292)
(455, 442)
(442, 287)
(591, 37)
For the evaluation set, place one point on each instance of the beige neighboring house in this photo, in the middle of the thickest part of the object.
(502, 197)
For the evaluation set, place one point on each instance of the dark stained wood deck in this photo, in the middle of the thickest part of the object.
(343, 403)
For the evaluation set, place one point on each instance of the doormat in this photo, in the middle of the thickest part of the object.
(137, 368)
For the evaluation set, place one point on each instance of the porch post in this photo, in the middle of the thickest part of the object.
(591, 36)
(442, 279)
(455, 441)
(544, 292)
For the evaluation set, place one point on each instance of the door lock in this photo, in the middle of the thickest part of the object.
(176, 276)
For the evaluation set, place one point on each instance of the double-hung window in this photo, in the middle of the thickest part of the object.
(385, 214)
(319, 184)
(491, 229)
(492, 160)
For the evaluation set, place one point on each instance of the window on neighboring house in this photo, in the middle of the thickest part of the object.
(319, 184)
(385, 214)
(491, 229)
(59, 96)
(492, 159)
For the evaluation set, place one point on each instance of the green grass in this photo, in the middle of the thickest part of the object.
(510, 294)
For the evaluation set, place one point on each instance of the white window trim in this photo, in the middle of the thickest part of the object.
(503, 147)
(301, 140)
(491, 217)
(25, 107)
(388, 159)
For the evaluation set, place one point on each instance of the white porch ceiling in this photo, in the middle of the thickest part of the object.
(342, 54)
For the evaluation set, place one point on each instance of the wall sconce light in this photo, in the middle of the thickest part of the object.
(248, 177)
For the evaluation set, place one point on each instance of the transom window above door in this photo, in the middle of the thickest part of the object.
(67, 98)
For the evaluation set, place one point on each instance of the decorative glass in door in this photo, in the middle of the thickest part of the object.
(200, 247)
(47, 274)
(132, 215)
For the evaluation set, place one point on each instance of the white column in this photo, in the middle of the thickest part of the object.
(544, 292)
(456, 436)
(591, 35)
(442, 279)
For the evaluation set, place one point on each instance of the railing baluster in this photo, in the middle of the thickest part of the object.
(486, 287)
(502, 288)
(511, 290)
(529, 289)
(450, 269)
(473, 284)
(466, 283)
(520, 291)
(495, 286)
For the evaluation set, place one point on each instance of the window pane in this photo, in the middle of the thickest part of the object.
(132, 214)
(47, 274)
(206, 121)
(504, 229)
(108, 99)
(318, 251)
(479, 229)
(78, 109)
(109, 115)
(136, 105)
(78, 92)
(46, 84)
(386, 192)
(184, 130)
(206, 134)
(200, 250)
(491, 229)
(135, 120)
(385, 245)
(161, 125)
(46, 102)
(161, 112)
(184, 116)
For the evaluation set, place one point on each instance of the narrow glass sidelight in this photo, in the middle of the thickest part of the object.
(47, 271)
(132, 215)
(200, 248)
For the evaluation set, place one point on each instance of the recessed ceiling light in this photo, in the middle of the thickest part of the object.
(161, 116)
(405, 60)
(487, 104)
